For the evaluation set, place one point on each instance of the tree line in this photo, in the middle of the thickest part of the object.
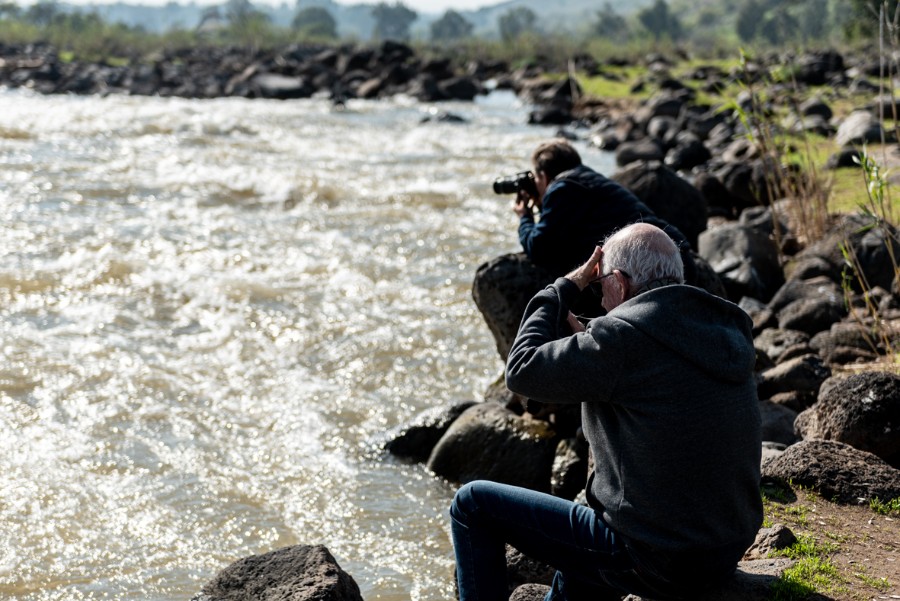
(683, 22)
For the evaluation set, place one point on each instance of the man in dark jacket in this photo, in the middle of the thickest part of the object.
(577, 207)
(668, 400)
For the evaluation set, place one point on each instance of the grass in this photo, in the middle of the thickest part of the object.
(891, 507)
(846, 553)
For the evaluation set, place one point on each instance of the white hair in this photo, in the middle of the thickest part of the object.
(644, 252)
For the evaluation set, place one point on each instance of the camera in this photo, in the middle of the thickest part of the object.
(511, 184)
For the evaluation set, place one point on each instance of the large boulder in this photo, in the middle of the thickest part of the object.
(670, 196)
(416, 440)
(489, 442)
(777, 423)
(862, 411)
(298, 573)
(746, 260)
(867, 239)
(802, 374)
(501, 290)
(859, 128)
(836, 471)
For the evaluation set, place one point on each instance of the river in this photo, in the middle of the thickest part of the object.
(213, 311)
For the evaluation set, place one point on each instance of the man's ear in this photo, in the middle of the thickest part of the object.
(624, 285)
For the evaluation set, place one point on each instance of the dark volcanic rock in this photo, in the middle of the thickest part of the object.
(862, 411)
(491, 443)
(836, 471)
(299, 573)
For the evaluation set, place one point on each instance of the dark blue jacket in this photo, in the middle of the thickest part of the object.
(580, 208)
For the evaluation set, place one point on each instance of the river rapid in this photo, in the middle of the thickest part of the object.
(213, 311)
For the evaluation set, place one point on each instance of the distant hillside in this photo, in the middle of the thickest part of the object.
(355, 20)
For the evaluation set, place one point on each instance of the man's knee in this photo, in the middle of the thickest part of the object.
(463, 505)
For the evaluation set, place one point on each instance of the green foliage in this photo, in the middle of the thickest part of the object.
(865, 15)
(610, 25)
(516, 21)
(451, 26)
(393, 21)
(812, 572)
(891, 507)
(315, 22)
(660, 21)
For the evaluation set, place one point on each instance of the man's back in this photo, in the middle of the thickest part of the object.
(669, 408)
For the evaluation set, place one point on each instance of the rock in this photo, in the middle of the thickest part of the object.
(521, 570)
(858, 129)
(280, 87)
(298, 573)
(491, 443)
(459, 88)
(530, 592)
(811, 315)
(570, 468)
(416, 440)
(866, 238)
(776, 538)
(844, 335)
(816, 106)
(777, 423)
(745, 260)
(638, 150)
(862, 411)
(774, 342)
(794, 289)
(803, 374)
(836, 471)
(501, 290)
(752, 581)
(687, 154)
(846, 157)
(771, 450)
(669, 196)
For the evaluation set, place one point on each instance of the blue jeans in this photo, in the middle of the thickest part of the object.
(572, 538)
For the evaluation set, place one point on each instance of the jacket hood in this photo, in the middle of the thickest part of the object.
(710, 332)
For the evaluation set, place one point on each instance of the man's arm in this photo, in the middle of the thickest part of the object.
(547, 363)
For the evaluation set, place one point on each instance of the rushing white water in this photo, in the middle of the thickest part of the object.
(211, 311)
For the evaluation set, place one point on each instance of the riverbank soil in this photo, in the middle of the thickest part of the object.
(863, 546)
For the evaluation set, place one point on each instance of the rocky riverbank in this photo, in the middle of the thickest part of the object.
(830, 403)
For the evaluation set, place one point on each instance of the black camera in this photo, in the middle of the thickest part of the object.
(511, 184)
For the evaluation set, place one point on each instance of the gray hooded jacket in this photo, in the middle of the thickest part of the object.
(669, 408)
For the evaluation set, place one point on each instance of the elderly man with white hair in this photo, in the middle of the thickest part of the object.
(669, 407)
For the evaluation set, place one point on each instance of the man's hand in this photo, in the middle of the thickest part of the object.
(523, 205)
(588, 272)
(576, 325)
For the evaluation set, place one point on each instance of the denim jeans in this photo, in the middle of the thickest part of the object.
(572, 538)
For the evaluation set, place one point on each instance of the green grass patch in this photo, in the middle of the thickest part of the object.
(813, 571)
(881, 585)
(891, 507)
(616, 82)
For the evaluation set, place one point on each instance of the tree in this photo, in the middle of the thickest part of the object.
(864, 14)
(315, 22)
(659, 21)
(42, 13)
(778, 26)
(393, 21)
(248, 25)
(747, 21)
(515, 22)
(451, 26)
(610, 24)
(10, 10)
